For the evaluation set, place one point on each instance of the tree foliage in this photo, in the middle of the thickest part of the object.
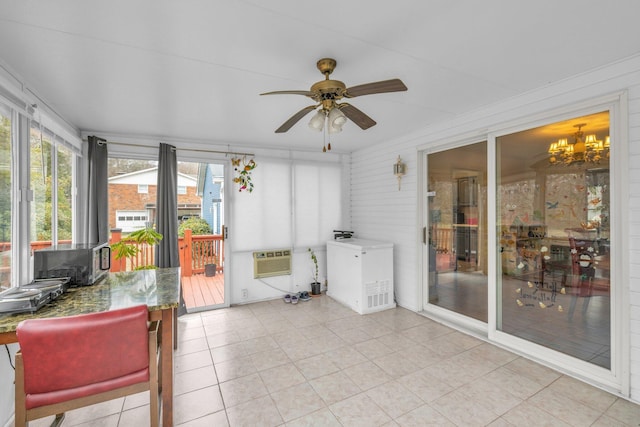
(198, 226)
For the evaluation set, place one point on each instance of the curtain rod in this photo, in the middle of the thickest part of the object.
(182, 149)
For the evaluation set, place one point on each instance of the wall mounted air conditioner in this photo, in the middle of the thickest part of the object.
(271, 263)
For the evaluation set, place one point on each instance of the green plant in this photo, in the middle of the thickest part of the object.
(198, 226)
(136, 242)
(315, 264)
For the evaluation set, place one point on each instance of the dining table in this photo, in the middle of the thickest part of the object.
(158, 289)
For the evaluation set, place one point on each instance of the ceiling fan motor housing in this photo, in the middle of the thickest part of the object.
(326, 92)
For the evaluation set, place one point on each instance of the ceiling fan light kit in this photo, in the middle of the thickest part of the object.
(330, 115)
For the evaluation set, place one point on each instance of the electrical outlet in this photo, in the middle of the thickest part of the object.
(245, 294)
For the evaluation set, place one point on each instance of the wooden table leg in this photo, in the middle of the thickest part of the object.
(167, 366)
(175, 329)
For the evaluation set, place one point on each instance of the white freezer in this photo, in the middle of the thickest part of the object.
(360, 274)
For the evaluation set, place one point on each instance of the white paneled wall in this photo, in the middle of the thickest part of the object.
(379, 211)
(634, 235)
(382, 212)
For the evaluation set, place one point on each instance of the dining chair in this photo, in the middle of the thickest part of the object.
(70, 362)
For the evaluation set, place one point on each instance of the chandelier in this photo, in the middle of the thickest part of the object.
(581, 150)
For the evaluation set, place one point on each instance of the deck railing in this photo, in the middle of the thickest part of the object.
(195, 253)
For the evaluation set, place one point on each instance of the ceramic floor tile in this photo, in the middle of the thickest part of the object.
(394, 398)
(486, 393)
(222, 339)
(270, 359)
(191, 334)
(625, 411)
(449, 372)
(321, 364)
(196, 404)
(334, 387)
(300, 350)
(396, 364)
(316, 366)
(464, 412)
(425, 416)
(493, 354)
(228, 352)
(190, 361)
(194, 379)
(359, 410)
(281, 377)
(296, 401)
(534, 371)
(235, 368)
(258, 412)
(243, 389)
(584, 393)
(259, 345)
(425, 386)
(527, 414)
(136, 400)
(191, 346)
(373, 349)
(346, 356)
(94, 412)
(139, 416)
(426, 332)
(565, 408)
(218, 419)
(367, 375)
(321, 418)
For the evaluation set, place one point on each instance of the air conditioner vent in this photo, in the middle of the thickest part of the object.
(271, 263)
(378, 293)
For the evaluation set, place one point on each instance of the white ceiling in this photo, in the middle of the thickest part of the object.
(192, 70)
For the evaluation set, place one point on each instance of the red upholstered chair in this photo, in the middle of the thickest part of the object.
(70, 362)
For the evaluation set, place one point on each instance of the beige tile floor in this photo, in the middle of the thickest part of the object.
(318, 363)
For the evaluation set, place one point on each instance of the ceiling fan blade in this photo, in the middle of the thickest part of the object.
(393, 85)
(357, 116)
(290, 92)
(295, 118)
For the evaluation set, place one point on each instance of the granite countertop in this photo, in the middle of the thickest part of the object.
(158, 289)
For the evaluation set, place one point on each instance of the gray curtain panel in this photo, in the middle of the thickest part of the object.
(97, 208)
(167, 207)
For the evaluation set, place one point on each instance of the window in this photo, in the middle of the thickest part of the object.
(182, 189)
(41, 179)
(143, 188)
(6, 195)
(52, 182)
(65, 192)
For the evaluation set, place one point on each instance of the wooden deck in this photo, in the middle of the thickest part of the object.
(200, 291)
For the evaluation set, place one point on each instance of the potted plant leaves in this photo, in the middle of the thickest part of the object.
(315, 285)
(140, 241)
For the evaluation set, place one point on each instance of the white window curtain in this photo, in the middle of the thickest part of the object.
(292, 205)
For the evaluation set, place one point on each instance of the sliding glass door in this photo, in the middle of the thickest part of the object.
(553, 237)
(457, 224)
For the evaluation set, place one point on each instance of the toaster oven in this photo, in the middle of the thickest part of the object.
(84, 264)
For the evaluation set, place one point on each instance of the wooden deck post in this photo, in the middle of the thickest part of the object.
(116, 236)
(186, 261)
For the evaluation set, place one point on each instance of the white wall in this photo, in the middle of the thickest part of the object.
(380, 211)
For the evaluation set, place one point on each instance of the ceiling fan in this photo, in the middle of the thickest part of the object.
(326, 92)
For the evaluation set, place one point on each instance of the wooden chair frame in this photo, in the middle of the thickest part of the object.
(23, 415)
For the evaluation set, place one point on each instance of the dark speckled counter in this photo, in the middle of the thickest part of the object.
(158, 289)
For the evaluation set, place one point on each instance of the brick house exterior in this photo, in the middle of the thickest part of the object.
(135, 194)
